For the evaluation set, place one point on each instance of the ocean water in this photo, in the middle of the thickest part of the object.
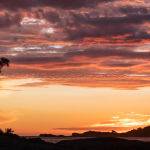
(144, 139)
(58, 139)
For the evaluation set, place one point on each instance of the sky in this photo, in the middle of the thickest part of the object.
(75, 65)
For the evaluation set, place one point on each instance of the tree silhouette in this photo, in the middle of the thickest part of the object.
(9, 131)
(4, 62)
(1, 132)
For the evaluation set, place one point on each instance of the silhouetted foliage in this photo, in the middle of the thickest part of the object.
(20, 143)
(1, 132)
(9, 131)
(4, 62)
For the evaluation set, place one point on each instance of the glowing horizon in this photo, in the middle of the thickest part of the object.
(101, 109)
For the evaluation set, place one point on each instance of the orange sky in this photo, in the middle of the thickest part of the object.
(64, 109)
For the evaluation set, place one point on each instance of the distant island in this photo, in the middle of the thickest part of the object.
(140, 132)
(51, 135)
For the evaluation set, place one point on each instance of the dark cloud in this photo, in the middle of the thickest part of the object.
(77, 25)
(51, 16)
(80, 42)
(107, 30)
(84, 25)
(108, 52)
(7, 19)
(69, 58)
(35, 60)
(119, 63)
(136, 18)
(132, 10)
(141, 35)
(65, 4)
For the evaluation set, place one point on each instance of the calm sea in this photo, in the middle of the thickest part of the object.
(58, 139)
(55, 140)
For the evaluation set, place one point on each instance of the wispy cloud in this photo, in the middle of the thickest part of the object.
(119, 122)
(126, 120)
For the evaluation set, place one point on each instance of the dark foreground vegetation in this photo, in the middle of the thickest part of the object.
(14, 142)
(10, 141)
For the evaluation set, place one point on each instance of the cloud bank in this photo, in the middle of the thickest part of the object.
(93, 43)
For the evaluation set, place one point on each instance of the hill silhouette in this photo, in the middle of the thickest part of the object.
(140, 132)
(11, 141)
